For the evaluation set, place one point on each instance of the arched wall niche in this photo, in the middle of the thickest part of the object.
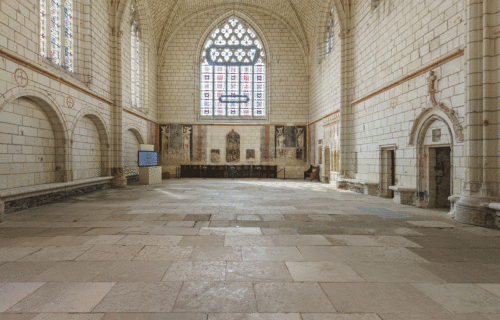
(132, 138)
(48, 106)
(90, 158)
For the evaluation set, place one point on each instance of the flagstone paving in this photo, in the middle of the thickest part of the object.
(249, 249)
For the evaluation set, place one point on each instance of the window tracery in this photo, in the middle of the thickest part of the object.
(233, 73)
(135, 58)
(329, 34)
(56, 38)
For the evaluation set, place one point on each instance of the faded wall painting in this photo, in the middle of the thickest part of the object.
(175, 144)
(232, 147)
(290, 142)
(250, 155)
(215, 156)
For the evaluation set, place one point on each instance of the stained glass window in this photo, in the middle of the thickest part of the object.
(233, 73)
(55, 31)
(43, 27)
(329, 31)
(135, 58)
(56, 38)
(68, 34)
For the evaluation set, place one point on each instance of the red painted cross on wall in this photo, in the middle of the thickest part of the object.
(21, 78)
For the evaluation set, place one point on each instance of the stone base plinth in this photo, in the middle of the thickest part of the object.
(150, 175)
(475, 211)
(403, 195)
(2, 210)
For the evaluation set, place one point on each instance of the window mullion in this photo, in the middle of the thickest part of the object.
(62, 32)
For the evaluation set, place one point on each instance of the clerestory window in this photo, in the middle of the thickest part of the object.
(233, 73)
(329, 34)
(135, 56)
(56, 32)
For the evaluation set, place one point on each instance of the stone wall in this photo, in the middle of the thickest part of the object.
(87, 150)
(258, 145)
(287, 82)
(27, 146)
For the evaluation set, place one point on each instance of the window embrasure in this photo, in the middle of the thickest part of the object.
(56, 32)
(329, 34)
(233, 73)
(135, 57)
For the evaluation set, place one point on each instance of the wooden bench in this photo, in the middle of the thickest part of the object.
(312, 172)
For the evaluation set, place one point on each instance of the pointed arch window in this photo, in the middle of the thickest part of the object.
(56, 32)
(329, 34)
(233, 73)
(135, 55)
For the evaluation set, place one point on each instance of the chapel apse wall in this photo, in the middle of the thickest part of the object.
(287, 97)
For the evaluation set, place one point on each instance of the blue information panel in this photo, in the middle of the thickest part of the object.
(148, 158)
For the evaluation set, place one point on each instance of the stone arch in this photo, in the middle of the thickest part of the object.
(146, 42)
(425, 183)
(229, 10)
(104, 137)
(323, 8)
(57, 120)
(129, 157)
(447, 115)
(260, 34)
(321, 23)
(136, 132)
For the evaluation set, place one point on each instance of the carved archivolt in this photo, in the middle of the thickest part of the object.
(436, 109)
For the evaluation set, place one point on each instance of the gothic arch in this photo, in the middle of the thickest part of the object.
(59, 125)
(100, 124)
(136, 132)
(446, 115)
(229, 10)
(321, 19)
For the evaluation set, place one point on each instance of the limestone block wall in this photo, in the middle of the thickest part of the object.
(148, 60)
(400, 36)
(386, 120)
(135, 132)
(325, 72)
(130, 149)
(87, 153)
(209, 147)
(27, 146)
(287, 82)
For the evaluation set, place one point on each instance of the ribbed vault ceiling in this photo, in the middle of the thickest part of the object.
(300, 15)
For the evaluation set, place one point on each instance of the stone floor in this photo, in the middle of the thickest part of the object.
(244, 250)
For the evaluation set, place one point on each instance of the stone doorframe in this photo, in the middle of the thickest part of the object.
(426, 156)
(385, 170)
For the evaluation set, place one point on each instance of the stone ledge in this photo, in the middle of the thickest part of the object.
(403, 195)
(23, 192)
(402, 189)
(361, 186)
(495, 206)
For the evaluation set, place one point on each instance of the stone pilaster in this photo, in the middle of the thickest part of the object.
(482, 167)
